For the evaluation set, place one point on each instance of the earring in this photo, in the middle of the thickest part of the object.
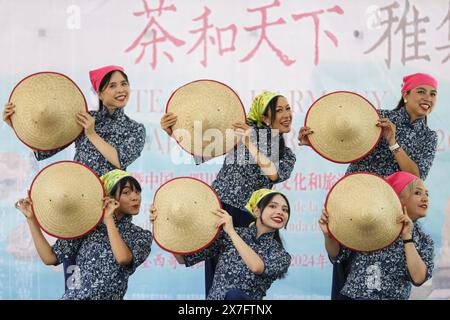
(405, 101)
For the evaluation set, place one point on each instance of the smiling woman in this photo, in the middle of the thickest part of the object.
(251, 258)
(108, 255)
(110, 139)
(408, 144)
(394, 269)
(114, 90)
(261, 159)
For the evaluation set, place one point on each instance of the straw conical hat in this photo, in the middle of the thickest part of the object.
(185, 223)
(205, 110)
(46, 108)
(363, 210)
(344, 125)
(67, 199)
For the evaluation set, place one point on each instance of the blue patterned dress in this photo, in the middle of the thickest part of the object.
(417, 140)
(124, 134)
(240, 176)
(98, 275)
(232, 272)
(383, 274)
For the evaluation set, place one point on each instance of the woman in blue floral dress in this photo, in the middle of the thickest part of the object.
(251, 258)
(408, 144)
(111, 140)
(107, 256)
(390, 272)
(260, 160)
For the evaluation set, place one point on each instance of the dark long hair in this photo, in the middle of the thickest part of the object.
(104, 83)
(272, 107)
(264, 202)
(401, 104)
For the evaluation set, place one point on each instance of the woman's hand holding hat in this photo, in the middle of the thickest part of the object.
(303, 136)
(153, 214)
(407, 225)
(24, 205)
(110, 205)
(87, 121)
(225, 220)
(323, 223)
(8, 112)
(389, 130)
(182, 221)
(168, 120)
(242, 130)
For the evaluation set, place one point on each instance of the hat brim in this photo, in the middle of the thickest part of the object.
(38, 95)
(344, 125)
(211, 101)
(81, 189)
(363, 210)
(185, 223)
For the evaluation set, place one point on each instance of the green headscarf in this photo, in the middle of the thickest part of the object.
(111, 178)
(259, 105)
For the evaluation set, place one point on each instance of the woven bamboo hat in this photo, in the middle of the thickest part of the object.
(185, 223)
(344, 125)
(363, 210)
(46, 105)
(67, 199)
(206, 109)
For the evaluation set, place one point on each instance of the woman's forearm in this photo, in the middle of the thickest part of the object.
(122, 253)
(252, 260)
(107, 150)
(405, 163)
(332, 247)
(267, 166)
(42, 246)
(416, 267)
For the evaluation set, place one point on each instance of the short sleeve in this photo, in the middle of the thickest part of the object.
(131, 147)
(140, 247)
(424, 154)
(425, 248)
(286, 165)
(213, 250)
(276, 263)
(343, 255)
(42, 155)
(65, 249)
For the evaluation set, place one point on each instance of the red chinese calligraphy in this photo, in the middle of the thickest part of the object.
(263, 35)
(315, 16)
(159, 260)
(299, 179)
(203, 39)
(155, 33)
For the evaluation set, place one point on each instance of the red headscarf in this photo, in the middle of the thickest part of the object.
(97, 75)
(417, 79)
(400, 180)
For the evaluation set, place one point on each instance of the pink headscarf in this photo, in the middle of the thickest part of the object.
(97, 75)
(400, 180)
(417, 79)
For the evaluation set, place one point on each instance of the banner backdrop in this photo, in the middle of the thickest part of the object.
(302, 49)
